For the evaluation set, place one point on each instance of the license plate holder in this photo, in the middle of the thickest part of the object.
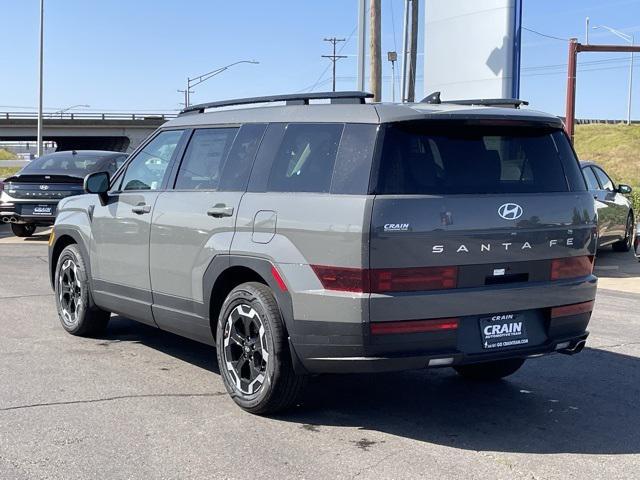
(42, 210)
(505, 330)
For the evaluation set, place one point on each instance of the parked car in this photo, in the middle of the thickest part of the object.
(344, 237)
(29, 198)
(616, 218)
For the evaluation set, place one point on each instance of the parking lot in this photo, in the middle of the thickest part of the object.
(140, 403)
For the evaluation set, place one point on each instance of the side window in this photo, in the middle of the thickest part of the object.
(590, 177)
(148, 169)
(202, 163)
(353, 163)
(237, 168)
(605, 181)
(305, 159)
(114, 164)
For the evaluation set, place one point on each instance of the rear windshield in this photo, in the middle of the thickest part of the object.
(65, 164)
(427, 158)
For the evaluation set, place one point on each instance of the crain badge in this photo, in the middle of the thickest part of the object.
(396, 227)
(510, 211)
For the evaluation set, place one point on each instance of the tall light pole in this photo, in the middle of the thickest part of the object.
(192, 82)
(40, 75)
(63, 110)
(628, 38)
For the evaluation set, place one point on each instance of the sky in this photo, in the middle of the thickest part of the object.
(125, 55)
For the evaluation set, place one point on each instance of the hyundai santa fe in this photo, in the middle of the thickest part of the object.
(301, 238)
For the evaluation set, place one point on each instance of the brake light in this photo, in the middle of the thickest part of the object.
(414, 326)
(386, 280)
(571, 267)
(574, 309)
(413, 279)
(343, 279)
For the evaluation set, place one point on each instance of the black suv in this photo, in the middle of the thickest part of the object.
(29, 199)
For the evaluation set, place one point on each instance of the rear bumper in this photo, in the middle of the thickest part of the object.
(335, 346)
(13, 213)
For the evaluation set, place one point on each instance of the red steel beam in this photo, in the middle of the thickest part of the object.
(574, 49)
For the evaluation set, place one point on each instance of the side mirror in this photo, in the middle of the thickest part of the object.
(97, 183)
(624, 189)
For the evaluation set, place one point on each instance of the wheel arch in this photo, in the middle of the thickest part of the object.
(64, 238)
(228, 271)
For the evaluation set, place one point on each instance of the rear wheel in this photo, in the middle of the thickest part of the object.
(253, 352)
(490, 370)
(624, 245)
(76, 310)
(23, 229)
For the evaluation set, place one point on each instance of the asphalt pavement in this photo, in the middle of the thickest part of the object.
(140, 403)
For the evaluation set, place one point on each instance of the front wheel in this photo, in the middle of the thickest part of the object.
(76, 310)
(23, 229)
(624, 245)
(253, 352)
(490, 370)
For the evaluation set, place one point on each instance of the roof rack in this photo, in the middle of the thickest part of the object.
(434, 98)
(291, 99)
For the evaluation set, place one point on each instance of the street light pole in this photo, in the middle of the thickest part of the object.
(40, 82)
(628, 38)
(192, 82)
(63, 110)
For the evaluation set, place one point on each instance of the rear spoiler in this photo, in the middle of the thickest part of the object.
(434, 98)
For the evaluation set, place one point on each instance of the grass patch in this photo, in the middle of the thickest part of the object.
(615, 147)
(7, 155)
(8, 171)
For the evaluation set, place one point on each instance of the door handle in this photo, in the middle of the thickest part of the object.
(220, 210)
(141, 209)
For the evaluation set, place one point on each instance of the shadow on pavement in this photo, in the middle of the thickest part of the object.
(582, 404)
(610, 264)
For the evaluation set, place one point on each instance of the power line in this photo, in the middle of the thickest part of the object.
(334, 58)
(545, 35)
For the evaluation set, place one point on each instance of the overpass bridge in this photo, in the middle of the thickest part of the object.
(78, 131)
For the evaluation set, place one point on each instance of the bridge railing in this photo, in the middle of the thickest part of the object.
(87, 116)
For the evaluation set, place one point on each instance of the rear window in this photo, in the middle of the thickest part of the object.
(427, 158)
(70, 164)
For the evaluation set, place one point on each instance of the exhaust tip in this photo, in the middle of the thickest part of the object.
(572, 350)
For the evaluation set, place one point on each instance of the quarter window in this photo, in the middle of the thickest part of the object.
(204, 159)
(148, 169)
(305, 159)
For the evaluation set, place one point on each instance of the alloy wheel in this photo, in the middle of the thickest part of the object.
(245, 349)
(69, 293)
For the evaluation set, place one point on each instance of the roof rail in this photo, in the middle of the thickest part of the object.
(291, 99)
(434, 98)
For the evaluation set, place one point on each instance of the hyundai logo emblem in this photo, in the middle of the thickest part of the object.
(510, 211)
(44, 187)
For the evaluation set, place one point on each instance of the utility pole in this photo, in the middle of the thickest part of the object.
(413, 57)
(375, 49)
(393, 58)
(334, 58)
(362, 35)
(40, 82)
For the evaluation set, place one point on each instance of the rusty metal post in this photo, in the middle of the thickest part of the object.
(570, 115)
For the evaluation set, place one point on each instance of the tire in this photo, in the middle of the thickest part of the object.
(76, 310)
(23, 229)
(253, 351)
(624, 245)
(489, 371)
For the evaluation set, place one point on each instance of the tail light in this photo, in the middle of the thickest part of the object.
(571, 267)
(574, 309)
(386, 280)
(414, 326)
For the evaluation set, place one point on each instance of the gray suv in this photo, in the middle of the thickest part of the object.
(338, 237)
